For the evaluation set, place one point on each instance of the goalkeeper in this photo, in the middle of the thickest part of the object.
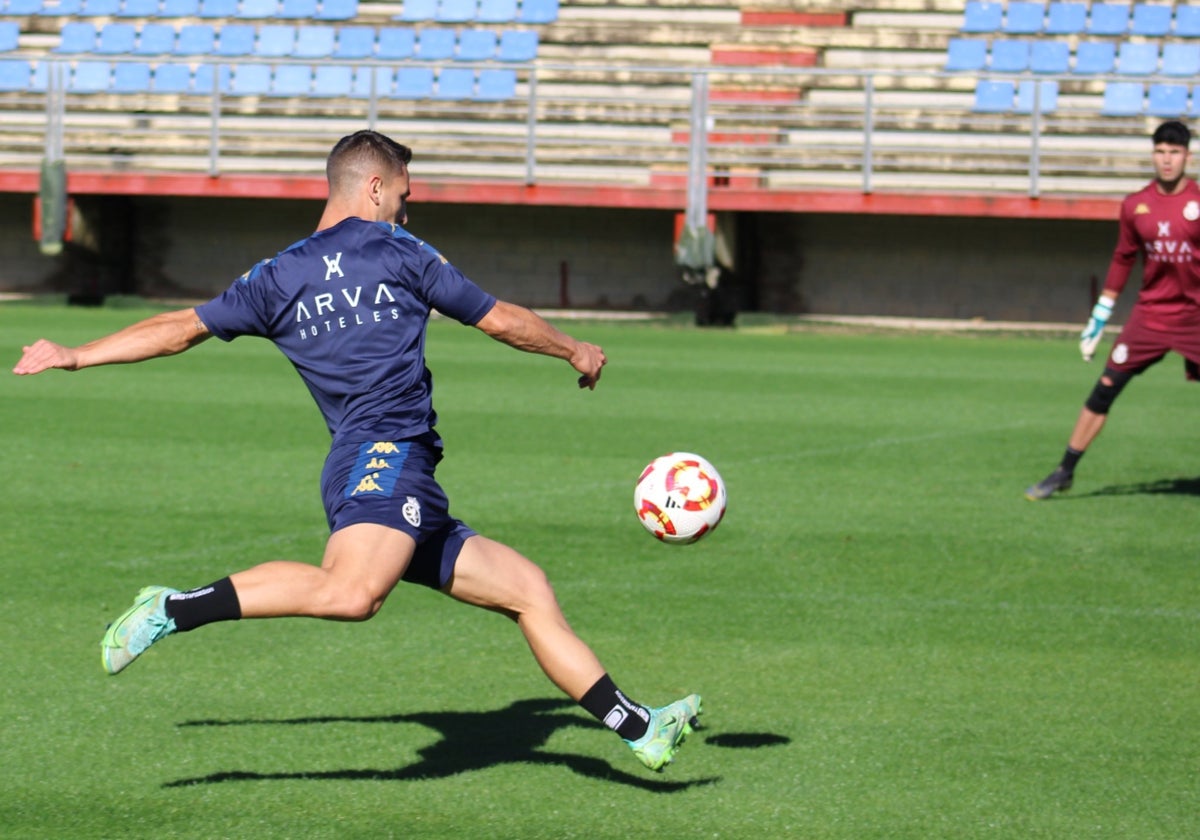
(1162, 223)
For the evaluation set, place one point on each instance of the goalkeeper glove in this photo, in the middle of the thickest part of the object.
(1090, 337)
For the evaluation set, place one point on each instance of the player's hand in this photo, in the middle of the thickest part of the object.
(44, 355)
(1089, 339)
(588, 359)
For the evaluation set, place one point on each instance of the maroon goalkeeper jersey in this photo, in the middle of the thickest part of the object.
(1165, 230)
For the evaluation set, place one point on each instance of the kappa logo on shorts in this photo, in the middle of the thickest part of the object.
(1120, 353)
(373, 473)
(412, 511)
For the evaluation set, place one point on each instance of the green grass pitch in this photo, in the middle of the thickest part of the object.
(890, 640)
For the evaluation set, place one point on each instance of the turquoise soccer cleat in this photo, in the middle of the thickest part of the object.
(669, 726)
(137, 628)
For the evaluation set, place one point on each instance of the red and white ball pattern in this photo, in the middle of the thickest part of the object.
(679, 497)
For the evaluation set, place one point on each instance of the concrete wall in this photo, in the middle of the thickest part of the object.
(998, 269)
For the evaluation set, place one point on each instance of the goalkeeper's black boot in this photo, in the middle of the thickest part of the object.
(1057, 482)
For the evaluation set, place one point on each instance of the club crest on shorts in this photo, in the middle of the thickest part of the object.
(412, 511)
(1120, 353)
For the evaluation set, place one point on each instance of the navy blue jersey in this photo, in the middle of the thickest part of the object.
(348, 306)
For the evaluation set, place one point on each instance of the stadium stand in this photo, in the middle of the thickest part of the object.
(788, 81)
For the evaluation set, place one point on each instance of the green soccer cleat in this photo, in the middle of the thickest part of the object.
(668, 728)
(137, 628)
(1058, 481)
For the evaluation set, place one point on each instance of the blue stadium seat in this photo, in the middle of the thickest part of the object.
(435, 44)
(355, 42)
(218, 8)
(964, 54)
(497, 11)
(395, 42)
(1181, 59)
(993, 96)
(257, 9)
(155, 39)
(171, 78)
(538, 11)
(518, 45)
(1023, 17)
(139, 8)
(100, 8)
(1137, 59)
(23, 7)
(10, 34)
(1187, 22)
(117, 39)
(235, 39)
(41, 76)
(1094, 58)
(983, 16)
(1163, 100)
(413, 83)
(60, 8)
(1047, 97)
(275, 40)
(196, 39)
(455, 83)
(77, 37)
(179, 8)
(297, 9)
(1066, 18)
(1050, 56)
(291, 80)
(131, 77)
(418, 10)
(1009, 56)
(476, 45)
(251, 80)
(1152, 20)
(315, 41)
(1122, 99)
(497, 84)
(333, 80)
(210, 76)
(15, 74)
(1108, 19)
(90, 77)
(337, 10)
(377, 81)
(456, 11)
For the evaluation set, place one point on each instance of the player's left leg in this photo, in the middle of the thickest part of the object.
(494, 576)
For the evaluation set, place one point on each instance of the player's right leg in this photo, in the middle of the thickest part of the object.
(361, 566)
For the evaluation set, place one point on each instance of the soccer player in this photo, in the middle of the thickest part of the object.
(348, 306)
(1162, 223)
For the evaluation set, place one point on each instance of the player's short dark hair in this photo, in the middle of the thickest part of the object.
(361, 150)
(1173, 133)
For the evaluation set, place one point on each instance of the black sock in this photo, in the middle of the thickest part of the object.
(1070, 459)
(204, 605)
(607, 704)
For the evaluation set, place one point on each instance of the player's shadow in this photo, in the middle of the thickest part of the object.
(470, 741)
(1162, 486)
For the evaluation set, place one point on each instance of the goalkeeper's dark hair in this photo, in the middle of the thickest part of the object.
(1173, 133)
(355, 154)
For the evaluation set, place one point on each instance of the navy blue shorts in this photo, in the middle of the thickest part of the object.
(391, 483)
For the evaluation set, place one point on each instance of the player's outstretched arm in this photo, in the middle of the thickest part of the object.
(525, 330)
(159, 335)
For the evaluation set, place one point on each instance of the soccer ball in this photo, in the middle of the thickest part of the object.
(679, 497)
